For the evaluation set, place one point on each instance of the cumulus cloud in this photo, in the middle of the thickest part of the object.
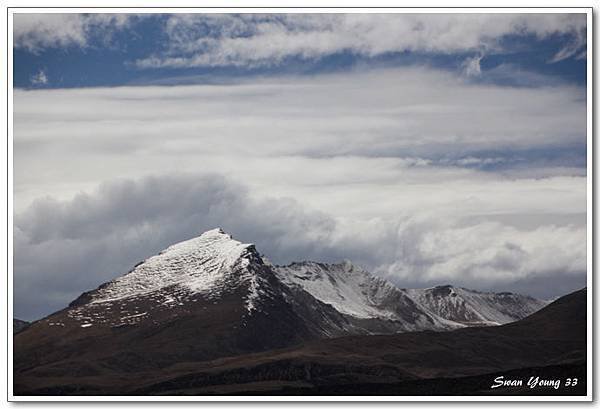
(35, 32)
(255, 39)
(488, 252)
(65, 247)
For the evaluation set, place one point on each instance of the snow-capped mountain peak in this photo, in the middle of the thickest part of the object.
(198, 265)
(196, 276)
(179, 280)
(475, 307)
(357, 293)
(348, 288)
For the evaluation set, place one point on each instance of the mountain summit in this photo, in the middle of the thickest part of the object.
(329, 299)
(206, 266)
(213, 296)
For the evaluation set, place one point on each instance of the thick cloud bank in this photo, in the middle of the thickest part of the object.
(296, 136)
(65, 247)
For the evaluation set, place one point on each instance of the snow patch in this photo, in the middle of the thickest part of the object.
(197, 265)
(475, 307)
(347, 288)
(253, 294)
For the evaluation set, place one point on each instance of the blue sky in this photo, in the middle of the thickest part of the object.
(99, 60)
(427, 148)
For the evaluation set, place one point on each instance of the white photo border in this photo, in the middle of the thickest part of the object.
(387, 8)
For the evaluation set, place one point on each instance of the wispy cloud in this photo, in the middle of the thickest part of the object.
(36, 32)
(573, 48)
(258, 40)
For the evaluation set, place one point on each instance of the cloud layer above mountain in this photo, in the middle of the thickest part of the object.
(67, 246)
(473, 175)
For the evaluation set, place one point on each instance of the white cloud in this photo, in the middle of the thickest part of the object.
(575, 46)
(486, 252)
(254, 39)
(34, 31)
(96, 236)
(257, 39)
(285, 134)
(40, 78)
(367, 165)
(472, 66)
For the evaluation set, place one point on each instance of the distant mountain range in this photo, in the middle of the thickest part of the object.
(19, 325)
(209, 299)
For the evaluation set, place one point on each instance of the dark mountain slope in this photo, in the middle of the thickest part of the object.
(213, 296)
(551, 342)
(195, 301)
(19, 325)
(473, 308)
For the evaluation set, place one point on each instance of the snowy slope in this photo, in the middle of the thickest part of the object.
(199, 265)
(356, 293)
(192, 277)
(201, 268)
(347, 288)
(475, 307)
(223, 285)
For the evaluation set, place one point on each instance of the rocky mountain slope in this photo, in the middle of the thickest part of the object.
(213, 297)
(550, 344)
(475, 307)
(357, 293)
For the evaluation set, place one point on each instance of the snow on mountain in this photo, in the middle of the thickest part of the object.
(349, 289)
(213, 298)
(326, 299)
(474, 307)
(198, 265)
(204, 266)
(358, 294)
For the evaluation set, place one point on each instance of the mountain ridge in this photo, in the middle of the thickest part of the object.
(214, 262)
(550, 343)
(212, 301)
